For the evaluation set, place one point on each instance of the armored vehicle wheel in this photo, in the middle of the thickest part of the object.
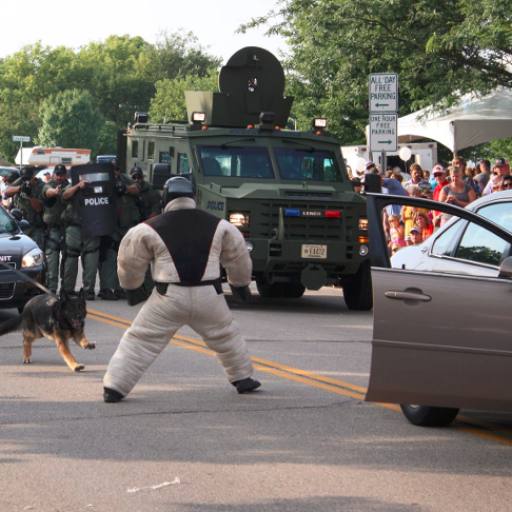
(357, 291)
(266, 290)
(279, 290)
(292, 290)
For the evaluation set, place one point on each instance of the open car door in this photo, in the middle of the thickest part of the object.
(440, 340)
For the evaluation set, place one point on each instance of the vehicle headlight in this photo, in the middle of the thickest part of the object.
(239, 219)
(249, 245)
(33, 258)
(363, 224)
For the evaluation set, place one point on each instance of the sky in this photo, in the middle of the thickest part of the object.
(74, 24)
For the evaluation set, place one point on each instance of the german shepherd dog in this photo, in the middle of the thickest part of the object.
(57, 319)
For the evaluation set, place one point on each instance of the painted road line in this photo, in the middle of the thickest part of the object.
(479, 429)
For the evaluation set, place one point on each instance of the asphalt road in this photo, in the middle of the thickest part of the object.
(185, 441)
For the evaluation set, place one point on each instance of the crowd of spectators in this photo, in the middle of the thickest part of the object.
(458, 184)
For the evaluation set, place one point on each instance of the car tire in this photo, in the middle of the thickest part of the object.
(357, 290)
(426, 416)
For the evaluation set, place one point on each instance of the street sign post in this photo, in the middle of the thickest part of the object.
(21, 139)
(383, 104)
(383, 135)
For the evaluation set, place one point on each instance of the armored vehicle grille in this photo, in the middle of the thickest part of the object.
(311, 228)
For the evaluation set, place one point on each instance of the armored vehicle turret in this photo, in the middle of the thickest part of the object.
(287, 191)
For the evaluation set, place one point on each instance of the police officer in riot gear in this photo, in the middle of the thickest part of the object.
(147, 198)
(54, 207)
(26, 193)
(185, 247)
(127, 216)
(89, 215)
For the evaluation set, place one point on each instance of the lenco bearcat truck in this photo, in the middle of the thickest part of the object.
(287, 191)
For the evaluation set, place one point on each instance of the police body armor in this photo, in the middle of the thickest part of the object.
(95, 203)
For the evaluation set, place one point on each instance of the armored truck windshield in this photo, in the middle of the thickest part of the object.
(236, 162)
(255, 162)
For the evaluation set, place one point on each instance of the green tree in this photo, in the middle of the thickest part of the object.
(168, 104)
(70, 119)
(440, 50)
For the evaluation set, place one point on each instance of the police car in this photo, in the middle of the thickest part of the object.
(17, 252)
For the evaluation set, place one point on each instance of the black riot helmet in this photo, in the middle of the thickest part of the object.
(178, 186)
(60, 170)
(28, 172)
(136, 172)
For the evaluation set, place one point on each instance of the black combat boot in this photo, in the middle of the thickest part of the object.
(111, 396)
(246, 385)
(107, 294)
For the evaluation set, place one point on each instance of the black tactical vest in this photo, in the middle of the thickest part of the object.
(188, 236)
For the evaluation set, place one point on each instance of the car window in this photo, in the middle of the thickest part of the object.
(482, 246)
(7, 224)
(446, 241)
(499, 213)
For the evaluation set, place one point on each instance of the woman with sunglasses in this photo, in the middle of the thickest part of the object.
(457, 192)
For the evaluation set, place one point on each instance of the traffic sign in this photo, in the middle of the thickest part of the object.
(20, 138)
(383, 132)
(383, 92)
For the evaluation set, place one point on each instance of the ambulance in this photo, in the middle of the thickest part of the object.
(50, 157)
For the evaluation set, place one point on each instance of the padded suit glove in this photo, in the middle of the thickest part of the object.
(136, 296)
(242, 293)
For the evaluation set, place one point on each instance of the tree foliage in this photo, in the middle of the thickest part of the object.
(440, 50)
(168, 103)
(70, 119)
(119, 74)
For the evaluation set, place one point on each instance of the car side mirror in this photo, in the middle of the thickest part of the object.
(506, 268)
(24, 224)
(17, 214)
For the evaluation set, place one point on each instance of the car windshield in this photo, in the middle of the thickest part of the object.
(7, 223)
(236, 162)
(307, 164)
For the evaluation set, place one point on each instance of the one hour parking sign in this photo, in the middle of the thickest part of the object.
(383, 132)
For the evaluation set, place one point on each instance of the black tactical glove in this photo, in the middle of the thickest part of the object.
(140, 294)
(120, 188)
(242, 293)
(26, 188)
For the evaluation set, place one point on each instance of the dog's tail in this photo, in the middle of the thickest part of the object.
(10, 325)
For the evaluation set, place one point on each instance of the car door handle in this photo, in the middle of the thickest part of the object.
(392, 294)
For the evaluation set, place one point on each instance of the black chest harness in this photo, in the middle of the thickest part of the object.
(188, 236)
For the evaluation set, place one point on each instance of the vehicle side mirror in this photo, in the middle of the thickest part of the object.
(506, 268)
(24, 224)
(17, 214)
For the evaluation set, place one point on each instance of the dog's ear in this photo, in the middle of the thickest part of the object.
(63, 295)
(81, 293)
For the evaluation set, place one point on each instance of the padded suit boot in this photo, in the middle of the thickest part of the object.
(111, 396)
(246, 385)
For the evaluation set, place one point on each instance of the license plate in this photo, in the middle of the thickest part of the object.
(314, 251)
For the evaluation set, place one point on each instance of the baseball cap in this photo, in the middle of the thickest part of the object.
(369, 163)
(415, 230)
(500, 162)
(437, 170)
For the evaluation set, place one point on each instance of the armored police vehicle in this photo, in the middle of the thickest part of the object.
(287, 191)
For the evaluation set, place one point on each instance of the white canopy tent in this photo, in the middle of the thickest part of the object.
(473, 120)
